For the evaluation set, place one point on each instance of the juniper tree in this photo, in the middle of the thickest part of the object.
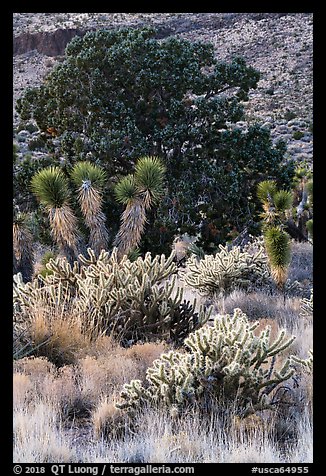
(122, 94)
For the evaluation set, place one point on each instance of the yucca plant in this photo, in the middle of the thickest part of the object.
(90, 180)
(278, 249)
(309, 189)
(309, 226)
(149, 178)
(22, 248)
(283, 200)
(50, 186)
(275, 202)
(265, 193)
(139, 192)
(266, 189)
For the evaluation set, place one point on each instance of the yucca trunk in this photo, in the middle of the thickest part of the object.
(90, 201)
(23, 251)
(64, 229)
(133, 222)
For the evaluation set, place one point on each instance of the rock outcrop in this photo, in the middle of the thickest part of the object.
(50, 43)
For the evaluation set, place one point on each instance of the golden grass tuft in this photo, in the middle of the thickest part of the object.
(145, 354)
(58, 337)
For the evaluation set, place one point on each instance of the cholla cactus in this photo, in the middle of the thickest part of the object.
(307, 306)
(132, 300)
(227, 270)
(225, 362)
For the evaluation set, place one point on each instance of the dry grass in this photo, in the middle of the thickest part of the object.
(107, 420)
(159, 438)
(59, 336)
(38, 436)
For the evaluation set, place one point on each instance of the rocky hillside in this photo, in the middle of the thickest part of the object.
(279, 45)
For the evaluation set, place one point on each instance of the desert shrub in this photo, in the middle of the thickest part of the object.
(132, 300)
(289, 115)
(227, 270)
(177, 102)
(27, 126)
(36, 143)
(224, 363)
(297, 135)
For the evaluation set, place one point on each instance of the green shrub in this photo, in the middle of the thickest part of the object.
(36, 144)
(289, 115)
(297, 135)
(44, 271)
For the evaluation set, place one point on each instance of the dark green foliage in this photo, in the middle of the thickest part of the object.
(289, 115)
(36, 144)
(283, 200)
(27, 126)
(23, 171)
(46, 259)
(15, 150)
(297, 135)
(87, 171)
(50, 185)
(123, 94)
